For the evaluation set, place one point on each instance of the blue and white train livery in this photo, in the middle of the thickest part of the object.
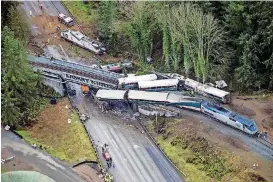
(230, 118)
(158, 85)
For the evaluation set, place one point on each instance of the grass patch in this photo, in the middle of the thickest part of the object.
(178, 157)
(68, 142)
(3, 170)
(200, 160)
(82, 12)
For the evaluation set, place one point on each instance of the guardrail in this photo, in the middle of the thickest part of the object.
(161, 150)
(106, 175)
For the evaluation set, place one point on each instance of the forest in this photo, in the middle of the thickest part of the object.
(207, 41)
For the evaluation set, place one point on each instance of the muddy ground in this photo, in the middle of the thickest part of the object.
(46, 39)
(88, 173)
(257, 108)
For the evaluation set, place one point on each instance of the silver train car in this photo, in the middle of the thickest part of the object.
(161, 98)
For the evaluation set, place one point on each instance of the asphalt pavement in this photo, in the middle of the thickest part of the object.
(135, 156)
(45, 164)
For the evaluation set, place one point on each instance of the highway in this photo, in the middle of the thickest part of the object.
(41, 161)
(136, 158)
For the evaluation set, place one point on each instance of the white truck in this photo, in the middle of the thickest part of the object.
(68, 21)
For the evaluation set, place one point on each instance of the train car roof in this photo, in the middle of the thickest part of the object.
(213, 91)
(241, 119)
(135, 79)
(149, 96)
(175, 98)
(111, 94)
(192, 83)
(158, 83)
(205, 88)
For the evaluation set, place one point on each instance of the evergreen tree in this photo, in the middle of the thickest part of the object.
(18, 80)
(250, 26)
(18, 25)
(107, 11)
(142, 28)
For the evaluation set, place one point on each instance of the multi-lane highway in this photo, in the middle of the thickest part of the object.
(136, 158)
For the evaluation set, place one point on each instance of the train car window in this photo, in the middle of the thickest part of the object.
(232, 119)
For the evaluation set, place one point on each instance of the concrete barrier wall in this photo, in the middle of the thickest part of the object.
(56, 84)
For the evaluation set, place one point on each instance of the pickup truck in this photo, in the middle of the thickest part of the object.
(68, 21)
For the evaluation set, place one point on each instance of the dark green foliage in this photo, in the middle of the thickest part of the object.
(18, 25)
(5, 11)
(251, 37)
(167, 45)
(141, 29)
(15, 20)
(18, 80)
(107, 33)
(213, 164)
(107, 11)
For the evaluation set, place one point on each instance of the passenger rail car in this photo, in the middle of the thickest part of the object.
(230, 118)
(208, 91)
(160, 98)
(159, 85)
(131, 82)
(203, 89)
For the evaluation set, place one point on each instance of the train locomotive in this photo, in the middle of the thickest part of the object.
(230, 118)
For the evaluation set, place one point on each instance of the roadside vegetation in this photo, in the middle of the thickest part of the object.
(194, 154)
(54, 134)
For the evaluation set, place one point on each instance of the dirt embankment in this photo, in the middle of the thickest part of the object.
(260, 110)
(88, 173)
(47, 34)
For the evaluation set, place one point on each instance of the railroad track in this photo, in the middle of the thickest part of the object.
(264, 142)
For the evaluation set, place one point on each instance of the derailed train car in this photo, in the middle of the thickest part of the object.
(162, 98)
(168, 99)
(203, 89)
(159, 85)
(131, 82)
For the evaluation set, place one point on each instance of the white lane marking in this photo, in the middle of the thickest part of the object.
(115, 143)
(136, 146)
(119, 155)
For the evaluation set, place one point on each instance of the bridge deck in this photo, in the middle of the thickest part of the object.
(75, 68)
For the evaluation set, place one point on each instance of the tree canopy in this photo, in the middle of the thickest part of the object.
(208, 40)
(18, 80)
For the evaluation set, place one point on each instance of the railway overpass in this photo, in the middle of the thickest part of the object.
(74, 72)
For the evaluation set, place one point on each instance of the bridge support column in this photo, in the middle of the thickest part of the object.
(56, 84)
